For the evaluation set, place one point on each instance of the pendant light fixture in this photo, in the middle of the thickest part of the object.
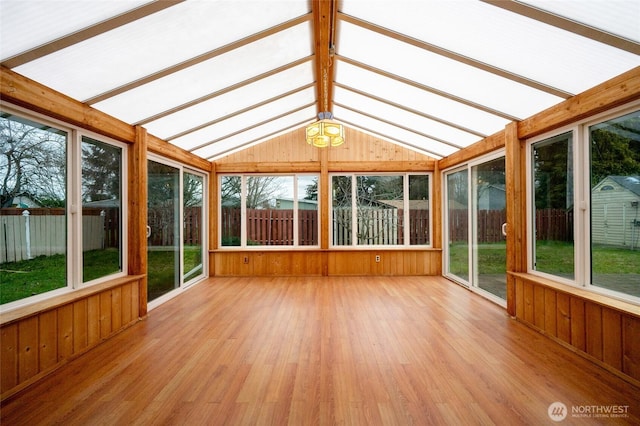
(325, 132)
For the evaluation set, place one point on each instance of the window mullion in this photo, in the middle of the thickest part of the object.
(74, 209)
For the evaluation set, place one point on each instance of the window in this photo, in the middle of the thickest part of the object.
(269, 210)
(194, 225)
(380, 210)
(101, 209)
(597, 245)
(615, 195)
(46, 250)
(553, 249)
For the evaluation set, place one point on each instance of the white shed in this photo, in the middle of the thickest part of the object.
(615, 213)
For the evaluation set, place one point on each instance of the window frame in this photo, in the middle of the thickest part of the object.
(582, 225)
(73, 208)
(354, 203)
(243, 212)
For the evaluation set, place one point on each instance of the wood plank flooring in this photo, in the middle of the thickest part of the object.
(317, 350)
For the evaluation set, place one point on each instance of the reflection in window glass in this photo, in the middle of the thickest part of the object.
(553, 203)
(231, 214)
(101, 209)
(308, 211)
(269, 202)
(33, 234)
(419, 210)
(615, 200)
(342, 210)
(193, 226)
(379, 202)
(458, 223)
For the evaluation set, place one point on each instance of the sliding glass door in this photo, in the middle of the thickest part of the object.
(457, 220)
(193, 226)
(489, 249)
(475, 219)
(176, 224)
(163, 231)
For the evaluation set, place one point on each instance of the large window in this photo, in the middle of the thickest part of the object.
(380, 210)
(101, 209)
(553, 249)
(45, 249)
(595, 167)
(615, 204)
(269, 210)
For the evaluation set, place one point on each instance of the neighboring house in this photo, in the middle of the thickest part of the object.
(615, 211)
(287, 204)
(492, 197)
(413, 204)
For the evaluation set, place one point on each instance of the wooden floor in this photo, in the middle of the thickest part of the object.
(364, 351)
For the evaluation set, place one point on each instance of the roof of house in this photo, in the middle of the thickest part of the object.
(213, 77)
(632, 183)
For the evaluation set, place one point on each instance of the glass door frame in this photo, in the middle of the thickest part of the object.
(182, 284)
(445, 221)
(472, 232)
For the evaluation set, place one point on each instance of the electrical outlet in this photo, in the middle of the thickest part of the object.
(377, 258)
(246, 259)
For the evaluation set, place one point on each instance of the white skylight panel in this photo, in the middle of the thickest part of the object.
(619, 17)
(512, 42)
(441, 73)
(151, 44)
(249, 118)
(232, 101)
(394, 132)
(27, 24)
(259, 133)
(421, 100)
(215, 74)
(404, 118)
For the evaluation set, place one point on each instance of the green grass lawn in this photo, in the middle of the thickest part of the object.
(614, 268)
(45, 273)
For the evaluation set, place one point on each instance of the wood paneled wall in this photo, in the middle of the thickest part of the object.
(51, 333)
(327, 262)
(361, 153)
(606, 331)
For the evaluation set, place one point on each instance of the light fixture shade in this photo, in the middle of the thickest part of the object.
(325, 132)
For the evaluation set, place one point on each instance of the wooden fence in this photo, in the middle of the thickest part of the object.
(163, 226)
(551, 224)
(275, 227)
(270, 226)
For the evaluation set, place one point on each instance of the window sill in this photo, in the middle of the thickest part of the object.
(318, 249)
(62, 299)
(601, 299)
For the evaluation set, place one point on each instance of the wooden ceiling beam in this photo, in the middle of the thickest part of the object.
(324, 18)
(567, 24)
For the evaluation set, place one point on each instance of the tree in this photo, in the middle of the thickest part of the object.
(32, 162)
(615, 149)
(101, 165)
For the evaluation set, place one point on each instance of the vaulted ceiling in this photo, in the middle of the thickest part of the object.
(215, 76)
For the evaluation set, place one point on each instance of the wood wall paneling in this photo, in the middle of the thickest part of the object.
(334, 262)
(612, 338)
(593, 330)
(35, 344)
(583, 322)
(631, 346)
(9, 365)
